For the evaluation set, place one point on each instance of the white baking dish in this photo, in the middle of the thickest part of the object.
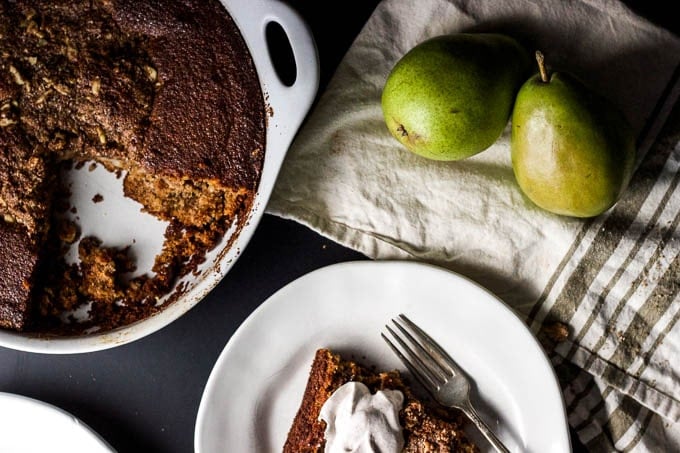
(118, 220)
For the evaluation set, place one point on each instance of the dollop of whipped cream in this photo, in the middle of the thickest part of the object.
(360, 422)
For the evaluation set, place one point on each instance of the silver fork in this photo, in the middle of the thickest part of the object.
(437, 371)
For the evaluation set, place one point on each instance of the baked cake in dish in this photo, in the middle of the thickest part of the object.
(425, 428)
(164, 93)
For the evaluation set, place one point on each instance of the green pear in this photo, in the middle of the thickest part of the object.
(572, 151)
(450, 97)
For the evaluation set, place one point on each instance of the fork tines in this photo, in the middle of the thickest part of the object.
(436, 370)
(424, 358)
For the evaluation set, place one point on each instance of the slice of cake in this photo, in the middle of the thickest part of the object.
(425, 427)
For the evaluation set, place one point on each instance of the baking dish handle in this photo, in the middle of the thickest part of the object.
(292, 102)
(287, 105)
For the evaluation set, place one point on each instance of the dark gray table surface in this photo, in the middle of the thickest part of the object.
(144, 396)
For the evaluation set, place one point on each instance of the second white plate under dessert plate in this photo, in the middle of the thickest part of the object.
(256, 386)
(32, 426)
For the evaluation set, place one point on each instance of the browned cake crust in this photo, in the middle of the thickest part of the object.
(23, 202)
(24, 175)
(164, 91)
(208, 91)
(18, 263)
(426, 428)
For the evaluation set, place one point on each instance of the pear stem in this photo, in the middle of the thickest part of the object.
(541, 66)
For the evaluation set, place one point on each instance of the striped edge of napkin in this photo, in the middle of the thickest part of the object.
(618, 290)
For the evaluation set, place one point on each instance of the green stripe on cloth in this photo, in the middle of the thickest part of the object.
(608, 237)
(638, 244)
(644, 425)
(600, 443)
(589, 408)
(648, 315)
(641, 186)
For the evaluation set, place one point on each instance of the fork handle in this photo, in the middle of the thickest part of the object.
(472, 414)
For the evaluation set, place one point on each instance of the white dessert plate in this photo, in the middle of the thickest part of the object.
(257, 384)
(32, 426)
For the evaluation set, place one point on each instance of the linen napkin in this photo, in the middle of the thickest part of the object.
(613, 281)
